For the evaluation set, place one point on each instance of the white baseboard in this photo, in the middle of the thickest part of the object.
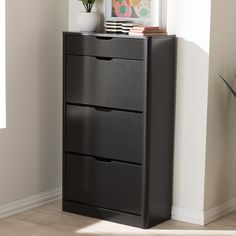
(188, 215)
(203, 217)
(178, 213)
(29, 203)
(216, 212)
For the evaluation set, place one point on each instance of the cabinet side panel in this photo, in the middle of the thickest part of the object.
(63, 119)
(160, 129)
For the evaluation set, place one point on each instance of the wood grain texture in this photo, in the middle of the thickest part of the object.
(49, 220)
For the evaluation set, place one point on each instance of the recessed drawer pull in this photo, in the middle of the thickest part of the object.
(104, 38)
(103, 109)
(104, 58)
(100, 159)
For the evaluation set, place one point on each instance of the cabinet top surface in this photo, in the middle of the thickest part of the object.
(103, 34)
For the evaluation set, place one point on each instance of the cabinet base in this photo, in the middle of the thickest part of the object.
(103, 214)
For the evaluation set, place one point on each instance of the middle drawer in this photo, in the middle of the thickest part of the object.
(107, 82)
(109, 134)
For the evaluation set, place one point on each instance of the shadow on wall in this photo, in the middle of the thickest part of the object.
(190, 125)
(205, 157)
(221, 151)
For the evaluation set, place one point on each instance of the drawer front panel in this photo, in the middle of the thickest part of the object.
(111, 185)
(105, 46)
(105, 133)
(110, 83)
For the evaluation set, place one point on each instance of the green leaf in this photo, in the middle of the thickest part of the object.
(84, 1)
(227, 84)
(87, 1)
(88, 4)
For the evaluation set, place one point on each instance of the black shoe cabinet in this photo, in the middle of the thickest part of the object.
(118, 125)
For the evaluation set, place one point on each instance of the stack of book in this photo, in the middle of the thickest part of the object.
(127, 26)
(119, 26)
(114, 27)
(140, 30)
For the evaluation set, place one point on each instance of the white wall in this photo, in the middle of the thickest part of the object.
(221, 133)
(30, 146)
(2, 66)
(190, 21)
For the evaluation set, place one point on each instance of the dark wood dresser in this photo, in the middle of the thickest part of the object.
(118, 127)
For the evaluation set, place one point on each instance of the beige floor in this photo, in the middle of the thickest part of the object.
(49, 220)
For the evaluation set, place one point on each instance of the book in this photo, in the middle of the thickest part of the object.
(113, 27)
(113, 30)
(129, 24)
(126, 28)
(148, 32)
(114, 23)
(143, 28)
(125, 31)
(119, 26)
(131, 33)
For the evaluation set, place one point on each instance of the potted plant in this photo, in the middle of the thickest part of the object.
(88, 21)
(88, 4)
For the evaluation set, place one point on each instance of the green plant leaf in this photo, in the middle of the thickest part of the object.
(84, 1)
(87, 1)
(227, 84)
(88, 4)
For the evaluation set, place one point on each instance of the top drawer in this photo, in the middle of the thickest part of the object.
(127, 48)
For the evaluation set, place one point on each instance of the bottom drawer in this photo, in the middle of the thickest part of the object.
(113, 185)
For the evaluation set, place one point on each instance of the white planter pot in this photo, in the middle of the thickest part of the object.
(88, 21)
